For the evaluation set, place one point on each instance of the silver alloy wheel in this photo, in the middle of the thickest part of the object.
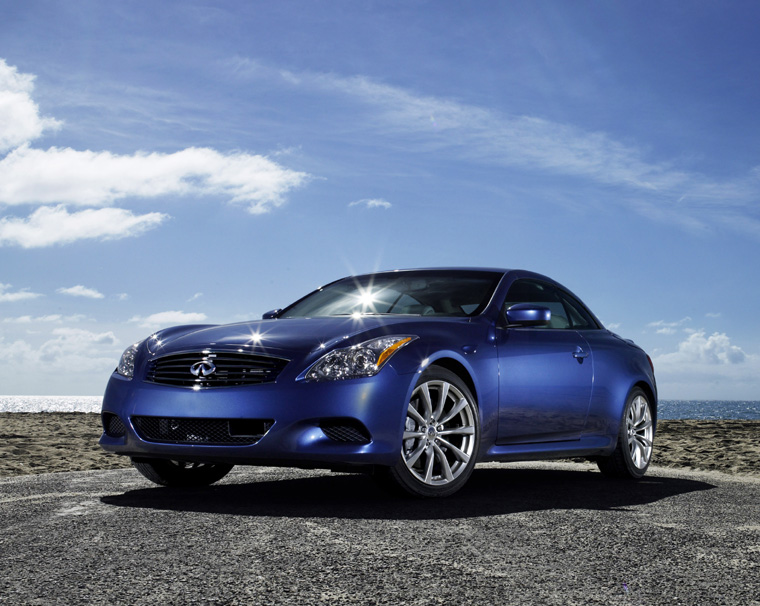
(640, 431)
(439, 433)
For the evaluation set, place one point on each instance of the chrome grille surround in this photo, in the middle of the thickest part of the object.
(230, 369)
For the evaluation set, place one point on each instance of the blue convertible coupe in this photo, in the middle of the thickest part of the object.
(413, 375)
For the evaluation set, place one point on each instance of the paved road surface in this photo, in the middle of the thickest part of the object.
(554, 533)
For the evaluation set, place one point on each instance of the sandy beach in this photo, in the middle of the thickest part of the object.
(32, 443)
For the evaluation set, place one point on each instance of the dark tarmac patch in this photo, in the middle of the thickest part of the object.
(490, 492)
(555, 533)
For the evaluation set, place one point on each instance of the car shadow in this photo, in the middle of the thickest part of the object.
(488, 492)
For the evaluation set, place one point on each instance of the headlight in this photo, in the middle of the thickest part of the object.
(363, 360)
(126, 365)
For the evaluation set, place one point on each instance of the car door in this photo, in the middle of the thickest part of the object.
(545, 372)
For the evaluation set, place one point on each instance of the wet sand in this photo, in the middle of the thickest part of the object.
(33, 443)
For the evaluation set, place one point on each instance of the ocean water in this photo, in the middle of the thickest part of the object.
(50, 403)
(709, 410)
(668, 409)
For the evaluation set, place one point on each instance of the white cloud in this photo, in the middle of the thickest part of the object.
(195, 297)
(708, 367)
(31, 320)
(81, 291)
(698, 348)
(20, 120)
(48, 226)
(20, 295)
(524, 141)
(48, 319)
(67, 176)
(71, 349)
(74, 341)
(372, 203)
(668, 328)
(169, 318)
(659, 190)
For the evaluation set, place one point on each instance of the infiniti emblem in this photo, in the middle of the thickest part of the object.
(204, 368)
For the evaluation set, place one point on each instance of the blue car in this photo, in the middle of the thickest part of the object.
(414, 376)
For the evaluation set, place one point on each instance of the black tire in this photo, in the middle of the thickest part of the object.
(633, 452)
(441, 437)
(166, 472)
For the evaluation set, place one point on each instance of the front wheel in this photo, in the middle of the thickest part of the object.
(633, 452)
(441, 436)
(180, 473)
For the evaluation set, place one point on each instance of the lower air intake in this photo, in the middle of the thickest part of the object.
(209, 432)
(113, 425)
(348, 431)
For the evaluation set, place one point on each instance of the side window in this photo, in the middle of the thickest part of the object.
(580, 318)
(539, 293)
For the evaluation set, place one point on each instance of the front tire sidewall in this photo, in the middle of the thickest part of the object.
(404, 478)
(178, 474)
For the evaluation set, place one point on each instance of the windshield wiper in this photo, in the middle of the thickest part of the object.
(371, 313)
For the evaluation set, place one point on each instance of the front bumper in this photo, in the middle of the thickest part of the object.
(296, 417)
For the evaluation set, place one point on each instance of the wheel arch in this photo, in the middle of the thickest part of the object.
(647, 389)
(481, 379)
(460, 370)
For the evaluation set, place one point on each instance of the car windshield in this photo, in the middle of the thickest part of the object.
(418, 293)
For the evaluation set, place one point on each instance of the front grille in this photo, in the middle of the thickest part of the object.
(201, 370)
(113, 426)
(211, 432)
(345, 430)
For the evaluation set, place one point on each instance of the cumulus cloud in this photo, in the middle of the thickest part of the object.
(698, 348)
(68, 176)
(169, 318)
(20, 120)
(372, 203)
(707, 367)
(71, 349)
(47, 226)
(81, 291)
(74, 341)
(19, 295)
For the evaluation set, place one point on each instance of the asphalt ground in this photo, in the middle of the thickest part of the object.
(539, 533)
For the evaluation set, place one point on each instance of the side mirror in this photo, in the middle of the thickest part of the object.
(528, 314)
(271, 315)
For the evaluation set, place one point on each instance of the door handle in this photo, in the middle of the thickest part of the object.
(579, 354)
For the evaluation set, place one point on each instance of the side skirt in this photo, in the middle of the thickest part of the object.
(584, 447)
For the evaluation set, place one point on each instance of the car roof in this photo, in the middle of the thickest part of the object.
(442, 269)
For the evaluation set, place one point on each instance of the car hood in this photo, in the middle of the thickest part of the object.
(288, 338)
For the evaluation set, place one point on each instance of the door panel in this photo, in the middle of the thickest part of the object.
(545, 382)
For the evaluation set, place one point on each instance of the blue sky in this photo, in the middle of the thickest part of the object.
(182, 162)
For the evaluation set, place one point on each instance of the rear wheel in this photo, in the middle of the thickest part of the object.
(180, 473)
(441, 436)
(633, 452)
